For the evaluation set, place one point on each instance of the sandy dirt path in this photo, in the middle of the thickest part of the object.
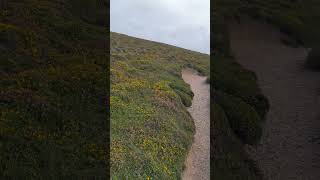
(290, 146)
(198, 159)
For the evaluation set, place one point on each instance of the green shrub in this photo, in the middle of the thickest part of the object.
(243, 118)
(229, 77)
(183, 91)
(313, 59)
(230, 161)
(185, 98)
(260, 104)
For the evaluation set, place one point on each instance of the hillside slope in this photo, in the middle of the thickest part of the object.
(53, 79)
(151, 130)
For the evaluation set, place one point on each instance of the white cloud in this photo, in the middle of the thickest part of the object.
(183, 23)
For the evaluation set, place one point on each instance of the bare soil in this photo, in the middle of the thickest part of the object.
(290, 146)
(198, 160)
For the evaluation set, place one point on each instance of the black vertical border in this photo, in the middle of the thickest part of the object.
(211, 90)
(108, 91)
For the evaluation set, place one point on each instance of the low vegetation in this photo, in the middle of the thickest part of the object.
(239, 110)
(230, 161)
(238, 107)
(151, 131)
(53, 78)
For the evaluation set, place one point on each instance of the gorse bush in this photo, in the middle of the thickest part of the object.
(259, 102)
(243, 118)
(229, 160)
(185, 93)
(229, 77)
(238, 114)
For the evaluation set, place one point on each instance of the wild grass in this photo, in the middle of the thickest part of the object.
(151, 131)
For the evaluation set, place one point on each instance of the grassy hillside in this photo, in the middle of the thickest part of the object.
(53, 78)
(151, 130)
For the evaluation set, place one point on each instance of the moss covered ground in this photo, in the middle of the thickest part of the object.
(151, 131)
(53, 78)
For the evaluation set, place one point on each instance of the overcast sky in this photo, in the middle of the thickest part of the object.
(183, 23)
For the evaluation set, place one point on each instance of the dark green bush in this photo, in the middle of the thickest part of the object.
(229, 77)
(184, 92)
(260, 104)
(230, 161)
(181, 87)
(243, 118)
(185, 98)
